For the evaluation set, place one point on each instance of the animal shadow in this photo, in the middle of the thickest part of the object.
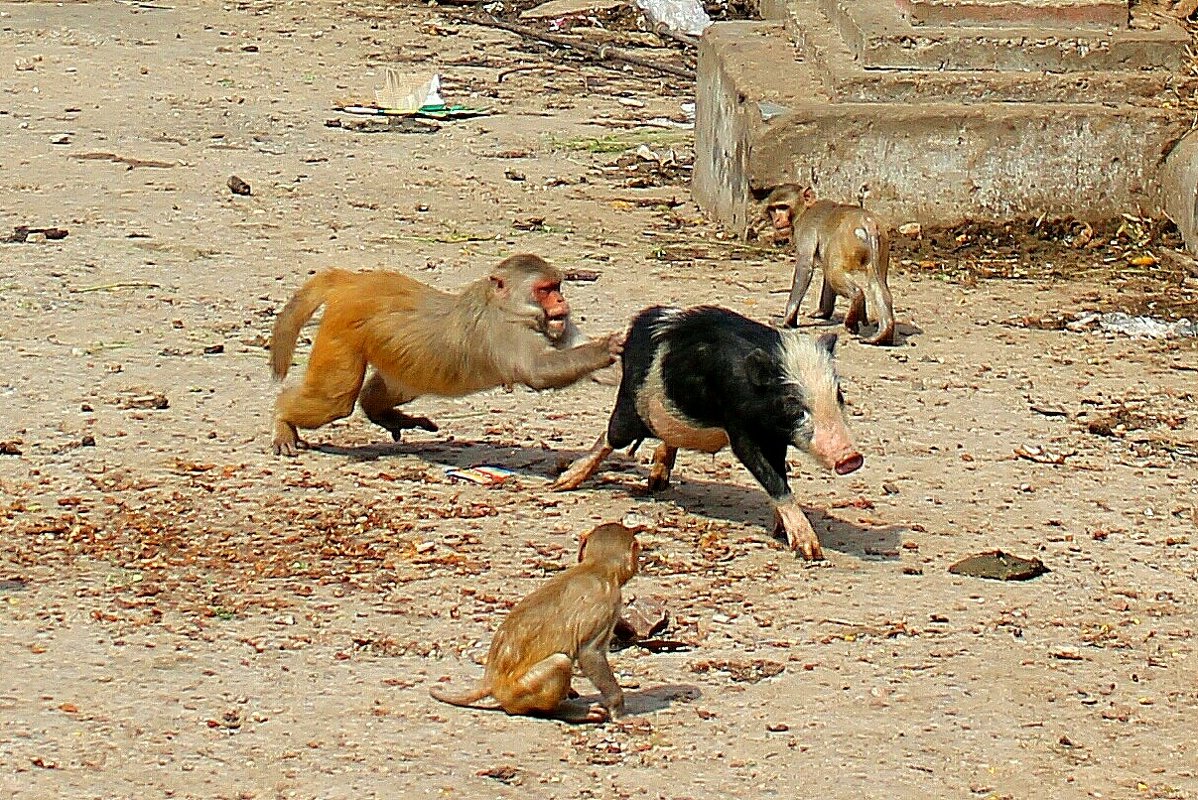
(658, 698)
(902, 330)
(750, 506)
(460, 453)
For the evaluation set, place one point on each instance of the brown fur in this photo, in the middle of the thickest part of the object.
(850, 246)
(502, 329)
(570, 618)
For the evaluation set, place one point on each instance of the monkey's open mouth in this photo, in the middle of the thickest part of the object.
(555, 327)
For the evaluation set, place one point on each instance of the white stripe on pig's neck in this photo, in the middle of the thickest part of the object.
(806, 363)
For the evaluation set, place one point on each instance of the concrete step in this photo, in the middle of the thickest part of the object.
(846, 80)
(879, 37)
(1018, 13)
(764, 117)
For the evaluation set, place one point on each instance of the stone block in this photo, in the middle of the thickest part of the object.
(1006, 13)
(1179, 189)
(880, 38)
(759, 124)
(847, 80)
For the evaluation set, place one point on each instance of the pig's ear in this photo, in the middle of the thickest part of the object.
(759, 368)
(827, 343)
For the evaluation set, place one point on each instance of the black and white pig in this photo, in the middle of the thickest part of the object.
(706, 377)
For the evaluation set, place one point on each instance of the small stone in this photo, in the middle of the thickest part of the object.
(238, 186)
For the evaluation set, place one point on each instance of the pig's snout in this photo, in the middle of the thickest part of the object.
(850, 463)
(834, 449)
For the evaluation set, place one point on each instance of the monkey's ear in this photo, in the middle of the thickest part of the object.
(808, 196)
(827, 343)
(582, 545)
(499, 285)
(759, 369)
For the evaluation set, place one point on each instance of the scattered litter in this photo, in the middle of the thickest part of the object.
(680, 16)
(1049, 410)
(129, 161)
(238, 186)
(999, 566)
(642, 617)
(10, 448)
(582, 276)
(408, 93)
(740, 670)
(1042, 455)
(1135, 327)
(24, 233)
(156, 400)
(563, 8)
(483, 475)
(404, 95)
(384, 124)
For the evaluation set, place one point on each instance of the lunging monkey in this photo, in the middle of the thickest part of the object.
(851, 248)
(512, 326)
(568, 619)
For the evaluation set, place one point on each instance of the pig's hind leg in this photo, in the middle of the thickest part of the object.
(623, 429)
(584, 467)
(663, 465)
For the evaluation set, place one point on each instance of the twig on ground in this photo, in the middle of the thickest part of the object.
(598, 53)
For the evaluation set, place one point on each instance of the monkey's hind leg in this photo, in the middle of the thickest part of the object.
(330, 386)
(584, 467)
(543, 690)
(663, 464)
(827, 301)
(856, 313)
(379, 399)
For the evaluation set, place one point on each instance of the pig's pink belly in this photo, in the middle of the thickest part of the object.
(679, 433)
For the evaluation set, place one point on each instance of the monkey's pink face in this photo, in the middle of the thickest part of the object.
(780, 217)
(548, 295)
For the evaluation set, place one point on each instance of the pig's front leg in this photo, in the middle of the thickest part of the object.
(768, 465)
(789, 517)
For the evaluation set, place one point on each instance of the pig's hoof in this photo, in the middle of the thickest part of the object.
(808, 551)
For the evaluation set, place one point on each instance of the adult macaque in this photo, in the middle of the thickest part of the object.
(569, 619)
(851, 248)
(512, 326)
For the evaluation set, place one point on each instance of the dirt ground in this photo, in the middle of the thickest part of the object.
(187, 615)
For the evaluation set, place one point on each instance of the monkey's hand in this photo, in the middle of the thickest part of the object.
(615, 345)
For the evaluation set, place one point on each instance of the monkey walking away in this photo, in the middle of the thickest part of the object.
(512, 326)
(707, 377)
(852, 249)
(568, 619)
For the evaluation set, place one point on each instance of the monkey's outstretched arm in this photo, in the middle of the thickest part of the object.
(555, 369)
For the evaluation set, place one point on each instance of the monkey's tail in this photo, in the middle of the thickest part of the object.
(299, 309)
(467, 700)
(874, 233)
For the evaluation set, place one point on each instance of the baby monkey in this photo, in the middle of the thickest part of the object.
(569, 619)
(851, 248)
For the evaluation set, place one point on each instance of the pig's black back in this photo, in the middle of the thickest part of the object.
(703, 372)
